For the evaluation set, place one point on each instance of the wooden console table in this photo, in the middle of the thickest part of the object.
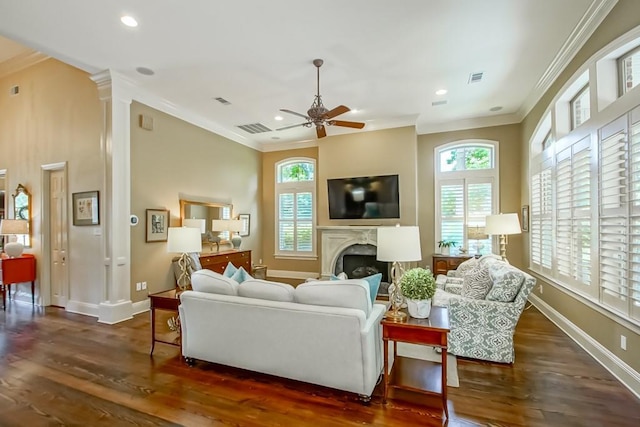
(21, 269)
(217, 261)
(444, 263)
(416, 375)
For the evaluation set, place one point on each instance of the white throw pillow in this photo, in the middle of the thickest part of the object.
(476, 283)
(352, 293)
(263, 289)
(213, 283)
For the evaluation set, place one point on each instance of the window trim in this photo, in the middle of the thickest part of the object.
(575, 97)
(295, 187)
(622, 87)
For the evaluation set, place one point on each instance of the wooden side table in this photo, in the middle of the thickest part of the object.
(168, 301)
(259, 272)
(21, 269)
(416, 375)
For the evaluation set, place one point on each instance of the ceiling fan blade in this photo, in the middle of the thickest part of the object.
(356, 125)
(321, 131)
(340, 109)
(293, 126)
(295, 114)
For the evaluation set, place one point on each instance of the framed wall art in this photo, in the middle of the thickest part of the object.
(157, 225)
(246, 224)
(86, 209)
(525, 218)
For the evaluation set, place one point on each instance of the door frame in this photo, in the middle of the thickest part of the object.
(44, 298)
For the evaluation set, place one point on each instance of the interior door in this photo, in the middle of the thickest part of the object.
(58, 238)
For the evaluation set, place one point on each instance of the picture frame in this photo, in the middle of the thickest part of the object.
(86, 208)
(525, 218)
(157, 225)
(246, 224)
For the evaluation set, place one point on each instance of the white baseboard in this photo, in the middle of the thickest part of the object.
(111, 313)
(79, 307)
(141, 306)
(612, 363)
(284, 274)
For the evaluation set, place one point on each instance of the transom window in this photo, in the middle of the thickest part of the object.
(466, 192)
(295, 208)
(629, 66)
(580, 107)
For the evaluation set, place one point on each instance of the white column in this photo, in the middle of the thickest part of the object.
(115, 305)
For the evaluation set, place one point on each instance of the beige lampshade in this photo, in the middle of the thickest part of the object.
(503, 224)
(14, 226)
(400, 244)
(476, 232)
(184, 240)
(220, 225)
(195, 223)
(235, 225)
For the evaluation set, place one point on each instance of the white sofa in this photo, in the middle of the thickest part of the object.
(324, 332)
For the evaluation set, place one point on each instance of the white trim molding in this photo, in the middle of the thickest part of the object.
(612, 363)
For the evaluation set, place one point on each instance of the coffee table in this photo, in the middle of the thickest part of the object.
(416, 375)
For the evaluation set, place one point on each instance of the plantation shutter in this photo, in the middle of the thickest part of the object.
(563, 213)
(285, 222)
(452, 211)
(613, 226)
(480, 204)
(634, 201)
(304, 223)
(542, 219)
(581, 213)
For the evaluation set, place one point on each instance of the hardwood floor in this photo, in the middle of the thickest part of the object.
(60, 368)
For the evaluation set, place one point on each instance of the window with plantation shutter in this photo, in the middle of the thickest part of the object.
(613, 222)
(541, 217)
(295, 216)
(634, 203)
(465, 193)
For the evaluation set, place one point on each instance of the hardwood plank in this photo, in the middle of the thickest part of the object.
(61, 368)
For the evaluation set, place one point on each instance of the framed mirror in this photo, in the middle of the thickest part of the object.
(202, 214)
(22, 210)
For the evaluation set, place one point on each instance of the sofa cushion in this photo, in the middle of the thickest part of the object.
(230, 270)
(241, 275)
(373, 281)
(476, 283)
(214, 283)
(507, 281)
(264, 289)
(351, 293)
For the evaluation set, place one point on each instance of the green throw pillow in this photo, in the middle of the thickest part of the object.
(374, 284)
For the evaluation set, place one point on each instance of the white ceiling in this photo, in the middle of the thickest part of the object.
(386, 58)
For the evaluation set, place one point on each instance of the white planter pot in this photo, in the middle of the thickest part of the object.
(445, 251)
(419, 308)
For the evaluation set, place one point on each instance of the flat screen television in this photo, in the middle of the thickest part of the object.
(364, 197)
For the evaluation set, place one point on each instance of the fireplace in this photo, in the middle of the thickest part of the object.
(352, 250)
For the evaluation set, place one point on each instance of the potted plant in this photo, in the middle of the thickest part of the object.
(418, 286)
(445, 246)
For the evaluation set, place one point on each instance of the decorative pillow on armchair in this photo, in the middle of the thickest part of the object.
(476, 283)
(466, 266)
(507, 281)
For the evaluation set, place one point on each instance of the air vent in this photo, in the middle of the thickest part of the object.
(436, 103)
(254, 128)
(222, 101)
(475, 77)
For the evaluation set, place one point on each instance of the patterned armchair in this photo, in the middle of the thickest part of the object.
(483, 323)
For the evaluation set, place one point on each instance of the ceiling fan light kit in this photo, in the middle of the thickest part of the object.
(318, 115)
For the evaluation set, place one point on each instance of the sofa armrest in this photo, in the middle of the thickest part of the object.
(484, 313)
(454, 273)
(453, 288)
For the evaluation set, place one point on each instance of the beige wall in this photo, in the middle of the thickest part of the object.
(55, 118)
(177, 157)
(509, 147)
(603, 328)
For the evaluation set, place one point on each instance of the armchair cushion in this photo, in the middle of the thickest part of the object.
(476, 283)
(507, 281)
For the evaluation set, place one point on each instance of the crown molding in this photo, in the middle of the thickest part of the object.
(590, 21)
(20, 62)
(473, 123)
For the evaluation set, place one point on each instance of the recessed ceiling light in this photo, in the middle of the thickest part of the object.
(278, 117)
(355, 110)
(498, 108)
(145, 71)
(441, 92)
(129, 21)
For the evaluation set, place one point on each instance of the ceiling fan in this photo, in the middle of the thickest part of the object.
(319, 115)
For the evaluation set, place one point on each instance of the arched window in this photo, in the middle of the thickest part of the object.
(466, 192)
(295, 207)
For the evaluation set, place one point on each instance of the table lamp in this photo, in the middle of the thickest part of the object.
(477, 233)
(184, 240)
(13, 228)
(502, 225)
(396, 245)
(235, 225)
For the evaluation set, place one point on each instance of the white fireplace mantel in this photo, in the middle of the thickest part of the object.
(335, 239)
